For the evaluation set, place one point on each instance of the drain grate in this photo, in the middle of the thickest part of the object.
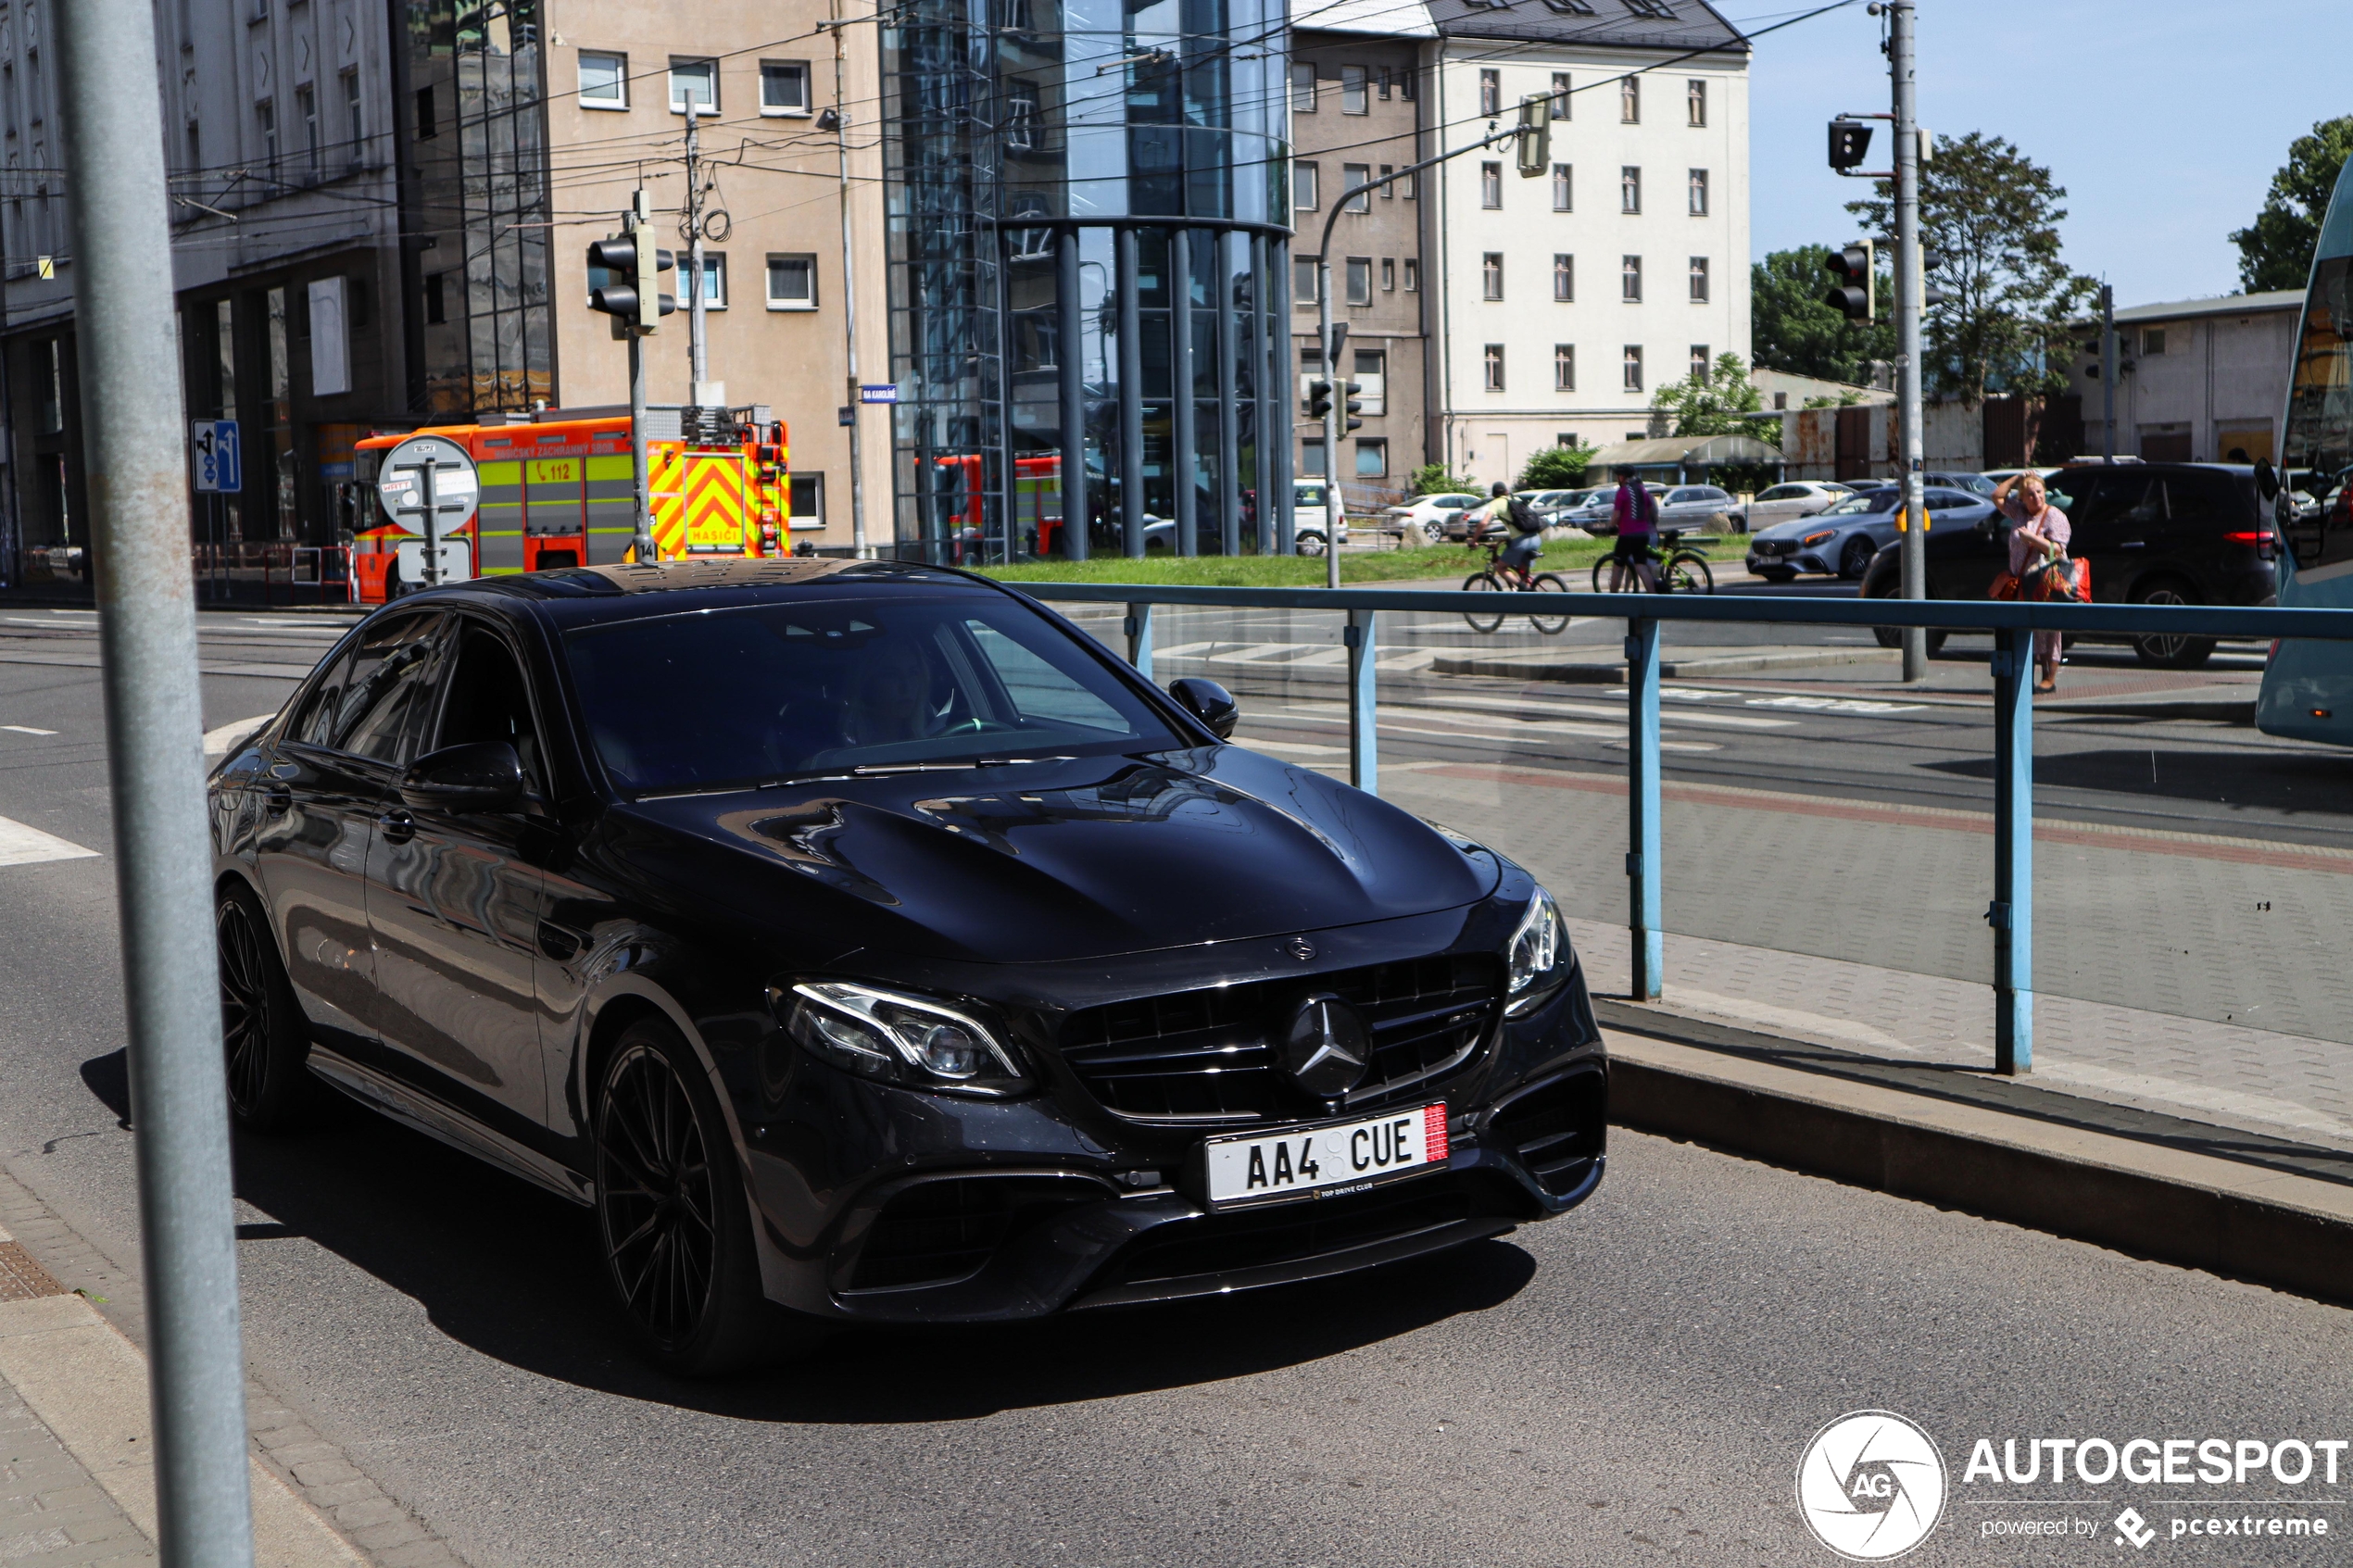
(21, 1279)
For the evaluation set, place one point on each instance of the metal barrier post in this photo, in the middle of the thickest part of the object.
(1642, 808)
(1140, 639)
(1364, 734)
(2012, 912)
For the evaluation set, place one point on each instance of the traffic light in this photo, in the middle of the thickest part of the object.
(1319, 402)
(1536, 134)
(1930, 293)
(1850, 140)
(1858, 298)
(1354, 406)
(632, 267)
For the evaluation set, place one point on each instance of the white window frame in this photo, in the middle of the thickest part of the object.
(1629, 190)
(1631, 367)
(1490, 275)
(1629, 280)
(1700, 285)
(1304, 279)
(785, 69)
(1376, 448)
(1490, 93)
(1564, 277)
(1310, 459)
(1564, 187)
(1700, 359)
(1306, 185)
(1356, 85)
(1696, 185)
(1356, 178)
(1303, 88)
(620, 84)
(1561, 92)
(806, 519)
(696, 64)
(1629, 100)
(1353, 268)
(714, 264)
(1490, 186)
(784, 258)
(1412, 281)
(1491, 367)
(1563, 368)
(1695, 102)
(355, 110)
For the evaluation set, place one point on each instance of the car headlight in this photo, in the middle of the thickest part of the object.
(898, 1038)
(1824, 537)
(1536, 949)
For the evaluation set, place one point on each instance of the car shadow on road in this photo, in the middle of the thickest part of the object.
(512, 1272)
(2296, 782)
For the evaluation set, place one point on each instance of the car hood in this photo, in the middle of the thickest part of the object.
(1075, 859)
(1797, 528)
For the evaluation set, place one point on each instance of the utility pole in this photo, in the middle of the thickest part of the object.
(697, 347)
(849, 303)
(2108, 374)
(640, 465)
(1908, 279)
(133, 426)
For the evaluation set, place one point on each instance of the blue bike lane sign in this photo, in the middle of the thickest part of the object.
(220, 464)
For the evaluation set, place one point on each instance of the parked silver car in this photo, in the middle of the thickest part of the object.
(1787, 502)
(1842, 540)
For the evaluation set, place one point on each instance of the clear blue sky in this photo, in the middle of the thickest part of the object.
(2163, 119)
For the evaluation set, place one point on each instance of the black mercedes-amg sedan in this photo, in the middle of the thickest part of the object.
(866, 942)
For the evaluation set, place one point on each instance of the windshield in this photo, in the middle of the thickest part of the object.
(1870, 501)
(725, 699)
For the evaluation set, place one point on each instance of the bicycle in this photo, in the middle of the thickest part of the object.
(1680, 571)
(1500, 579)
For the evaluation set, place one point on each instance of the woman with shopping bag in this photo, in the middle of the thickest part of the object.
(2039, 567)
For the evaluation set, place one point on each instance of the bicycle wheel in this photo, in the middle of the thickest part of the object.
(1483, 582)
(1687, 573)
(1551, 625)
(1601, 574)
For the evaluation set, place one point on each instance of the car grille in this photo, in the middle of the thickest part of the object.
(937, 1232)
(1289, 1233)
(1209, 1056)
(1771, 546)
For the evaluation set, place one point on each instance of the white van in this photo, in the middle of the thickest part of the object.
(1308, 516)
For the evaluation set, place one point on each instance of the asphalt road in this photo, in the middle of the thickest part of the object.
(1633, 1384)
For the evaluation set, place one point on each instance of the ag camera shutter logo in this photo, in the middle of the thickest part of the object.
(1871, 1485)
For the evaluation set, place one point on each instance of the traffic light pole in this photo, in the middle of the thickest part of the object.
(640, 469)
(1914, 547)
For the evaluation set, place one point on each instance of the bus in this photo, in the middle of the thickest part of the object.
(2307, 685)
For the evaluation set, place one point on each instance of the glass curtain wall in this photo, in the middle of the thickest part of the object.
(1089, 259)
(479, 134)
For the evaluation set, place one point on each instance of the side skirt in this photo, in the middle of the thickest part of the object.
(437, 1121)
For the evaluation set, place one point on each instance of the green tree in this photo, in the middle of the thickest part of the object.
(1794, 330)
(1431, 479)
(1991, 216)
(1713, 401)
(2275, 251)
(1557, 468)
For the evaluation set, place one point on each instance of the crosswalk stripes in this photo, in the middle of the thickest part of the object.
(24, 846)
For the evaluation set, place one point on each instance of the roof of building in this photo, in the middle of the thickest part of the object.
(2221, 305)
(1686, 451)
(1669, 25)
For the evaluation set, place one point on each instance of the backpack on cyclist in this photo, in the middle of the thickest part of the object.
(1523, 517)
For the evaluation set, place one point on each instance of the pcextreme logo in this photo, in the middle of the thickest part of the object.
(1871, 1485)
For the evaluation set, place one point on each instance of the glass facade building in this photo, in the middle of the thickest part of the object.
(1088, 227)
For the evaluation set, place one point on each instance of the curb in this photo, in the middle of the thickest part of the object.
(1612, 672)
(2252, 1221)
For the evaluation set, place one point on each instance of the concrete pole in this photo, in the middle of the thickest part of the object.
(2107, 373)
(1914, 550)
(697, 351)
(133, 424)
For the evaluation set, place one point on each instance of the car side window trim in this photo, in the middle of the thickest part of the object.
(453, 641)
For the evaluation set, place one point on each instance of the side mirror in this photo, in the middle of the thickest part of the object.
(1209, 702)
(2267, 477)
(480, 776)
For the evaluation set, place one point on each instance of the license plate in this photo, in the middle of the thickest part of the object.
(1326, 1162)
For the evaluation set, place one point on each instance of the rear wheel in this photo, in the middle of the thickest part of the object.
(2171, 650)
(263, 1037)
(1687, 573)
(1551, 625)
(1483, 582)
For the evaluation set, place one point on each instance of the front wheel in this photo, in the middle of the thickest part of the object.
(1857, 559)
(263, 1037)
(1687, 573)
(1550, 625)
(1483, 582)
(1310, 545)
(1601, 570)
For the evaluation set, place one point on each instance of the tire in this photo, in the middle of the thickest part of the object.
(1434, 532)
(1550, 625)
(673, 1220)
(265, 1042)
(1483, 582)
(1687, 573)
(1857, 558)
(2170, 651)
(1309, 544)
(1893, 637)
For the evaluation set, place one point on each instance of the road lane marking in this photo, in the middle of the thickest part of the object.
(218, 741)
(23, 845)
(1595, 709)
(27, 730)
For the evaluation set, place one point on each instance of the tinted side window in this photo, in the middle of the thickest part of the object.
(490, 701)
(2208, 497)
(313, 724)
(382, 697)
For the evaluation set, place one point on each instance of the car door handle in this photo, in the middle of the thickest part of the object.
(278, 801)
(558, 942)
(398, 826)
(2133, 545)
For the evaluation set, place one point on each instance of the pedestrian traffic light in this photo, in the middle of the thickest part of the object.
(1536, 134)
(632, 267)
(1850, 140)
(1858, 298)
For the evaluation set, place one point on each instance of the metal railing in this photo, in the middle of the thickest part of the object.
(2013, 625)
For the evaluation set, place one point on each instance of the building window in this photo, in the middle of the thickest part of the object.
(807, 500)
(1407, 184)
(1565, 438)
(784, 87)
(1303, 282)
(1388, 186)
(1699, 193)
(714, 275)
(265, 119)
(1630, 189)
(1413, 276)
(196, 153)
(1405, 83)
(1633, 367)
(604, 80)
(1356, 178)
(792, 282)
(1491, 274)
(1630, 279)
(1302, 186)
(1360, 279)
(1021, 117)
(1372, 459)
(1490, 93)
(1303, 89)
(427, 121)
(1699, 280)
(1629, 100)
(1656, 10)
(1388, 82)
(1564, 189)
(355, 119)
(2153, 341)
(1696, 100)
(1355, 95)
(695, 81)
(1699, 360)
(436, 300)
(1491, 185)
(1564, 367)
(1564, 276)
(1560, 94)
(307, 111)
(1388, 273)
(1310, 459)
(1494, 359)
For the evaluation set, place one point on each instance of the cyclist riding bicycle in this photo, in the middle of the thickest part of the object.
(1635, 511)
(1527, 532)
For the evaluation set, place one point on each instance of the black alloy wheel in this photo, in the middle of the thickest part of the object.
(676, 1226)
(1858, 558)
(2171, 650)
(263, 1040)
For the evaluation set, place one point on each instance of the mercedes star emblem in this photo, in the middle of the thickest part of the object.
(1326, 1048)
(1299, 948)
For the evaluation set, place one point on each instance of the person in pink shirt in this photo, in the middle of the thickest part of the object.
(1635, 514)
(2041, 535)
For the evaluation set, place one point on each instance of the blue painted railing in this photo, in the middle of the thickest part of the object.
(2013, 624)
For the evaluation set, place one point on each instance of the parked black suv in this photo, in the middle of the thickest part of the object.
(2154, 533)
